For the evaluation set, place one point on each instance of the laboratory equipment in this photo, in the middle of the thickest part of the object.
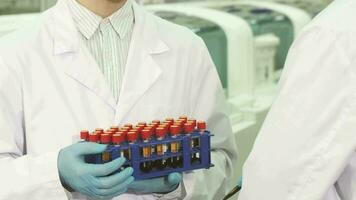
(239, 38)
(282, 21)
(175, 152)
(265, 21)
(213, 36)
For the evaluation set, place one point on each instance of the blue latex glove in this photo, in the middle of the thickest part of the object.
(92, 180)
(157, 185)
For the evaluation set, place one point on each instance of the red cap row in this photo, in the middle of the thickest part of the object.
(156, 128)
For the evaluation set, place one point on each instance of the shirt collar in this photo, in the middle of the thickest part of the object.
(88, 22)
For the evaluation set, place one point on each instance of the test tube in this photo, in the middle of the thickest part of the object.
(161, 148)
(146, 151)
(151, 129)
(188, 129)
(93, 137)
(126, 152)
(195, 156)
(84, 135)
(132, 137)
(175, 161)
(201, 126)
(105, 139)
(118, 139)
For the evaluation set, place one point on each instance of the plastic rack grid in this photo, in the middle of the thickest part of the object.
(186, 153)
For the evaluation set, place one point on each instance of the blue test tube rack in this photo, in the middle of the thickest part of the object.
(185, 152)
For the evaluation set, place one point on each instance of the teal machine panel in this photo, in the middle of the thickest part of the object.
(263, 21)
(213, 36)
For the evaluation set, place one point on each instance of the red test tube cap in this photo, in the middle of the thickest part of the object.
(132, 136)
(105, 138)
(193, 121)
(179, 124)
(118, 138)
(145, 134)
(93, 137)
(175, 130)
(166, 127)
(160, 132)
(188, 128)
(202, 125)
(140, 127)
(84, 134)
(123, 133)
(150, 128)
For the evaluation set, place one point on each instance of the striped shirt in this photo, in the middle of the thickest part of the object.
(108, 40)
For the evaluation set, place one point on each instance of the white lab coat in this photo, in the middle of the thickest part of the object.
(306, 148)
(51, 88)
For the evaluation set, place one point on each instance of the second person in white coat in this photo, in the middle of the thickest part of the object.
(306, 148)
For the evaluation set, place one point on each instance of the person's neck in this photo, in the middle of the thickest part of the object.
(103, 8)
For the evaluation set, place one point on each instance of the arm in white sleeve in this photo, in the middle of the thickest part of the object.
(23, 176)
(309, 134)
(209, 103)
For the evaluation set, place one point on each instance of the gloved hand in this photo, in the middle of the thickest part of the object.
(157, 185)
(92, 180)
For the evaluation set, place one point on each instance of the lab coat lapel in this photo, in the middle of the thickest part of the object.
(76, 60)
(141, 71)
(84, 69)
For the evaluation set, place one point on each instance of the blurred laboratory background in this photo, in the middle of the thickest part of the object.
(247, 39)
